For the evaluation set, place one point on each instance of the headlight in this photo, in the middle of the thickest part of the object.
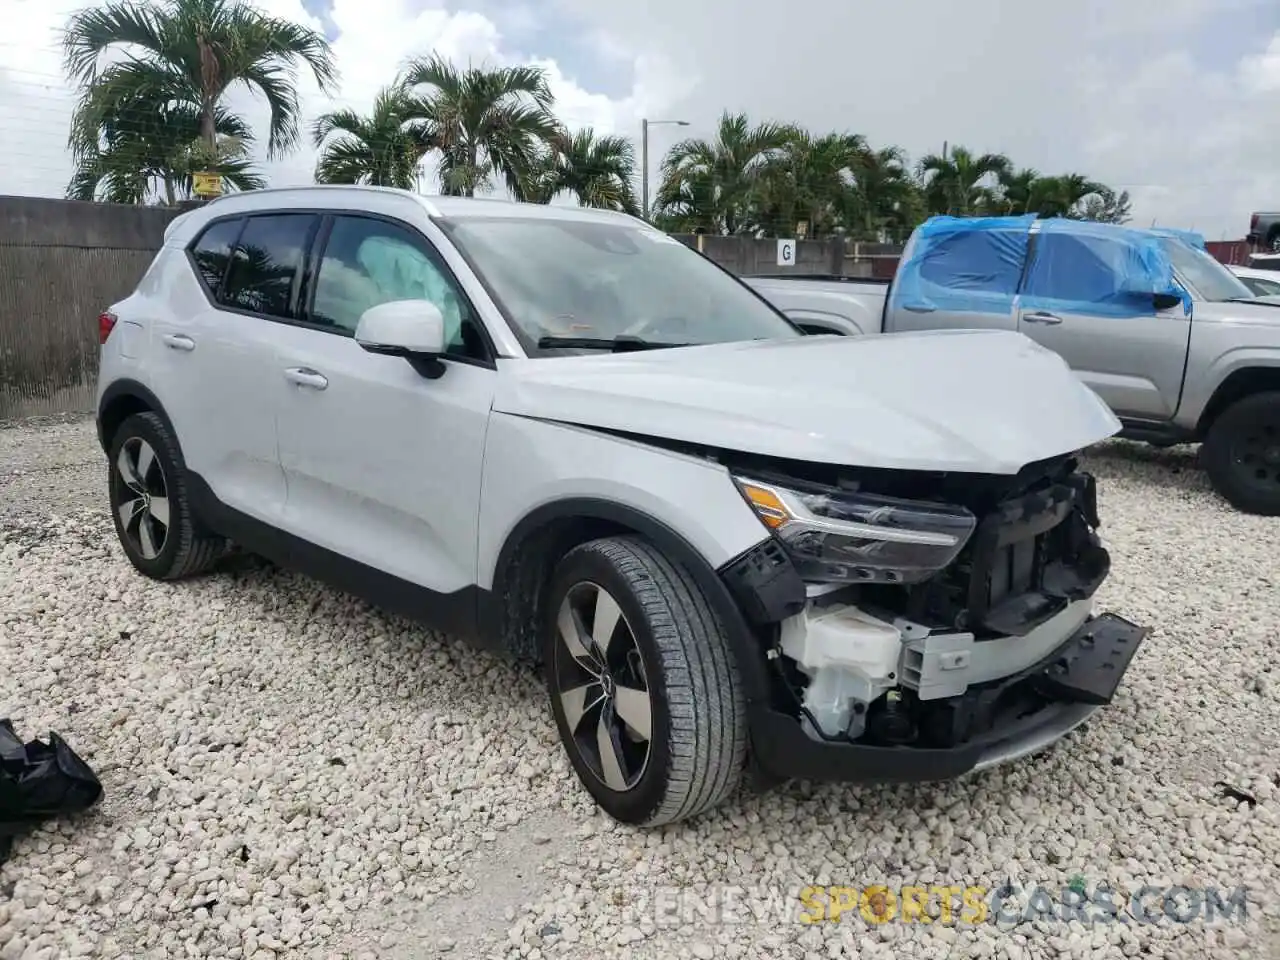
(838, 537)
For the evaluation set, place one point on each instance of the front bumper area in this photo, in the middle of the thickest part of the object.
(1033, 710)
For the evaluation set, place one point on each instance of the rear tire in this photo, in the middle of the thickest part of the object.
(150, 504)
(639, 666)
(1242, 454)
(1273, 241)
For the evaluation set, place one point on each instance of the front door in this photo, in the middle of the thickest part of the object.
(383, 465)
(1073, 302)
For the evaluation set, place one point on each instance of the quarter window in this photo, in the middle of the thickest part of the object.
(368, 262)
(266, 263)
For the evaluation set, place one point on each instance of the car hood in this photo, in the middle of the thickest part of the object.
(973, 401)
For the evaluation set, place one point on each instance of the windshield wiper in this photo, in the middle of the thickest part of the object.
(619, 344)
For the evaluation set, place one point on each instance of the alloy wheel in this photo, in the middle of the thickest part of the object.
(144, 498)
(600, 681)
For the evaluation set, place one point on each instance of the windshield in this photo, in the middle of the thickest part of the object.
(593, 280)
(1209, 278)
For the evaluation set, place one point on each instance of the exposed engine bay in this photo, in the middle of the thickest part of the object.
(933, 602)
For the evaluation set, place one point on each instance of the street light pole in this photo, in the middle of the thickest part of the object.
(645, 123)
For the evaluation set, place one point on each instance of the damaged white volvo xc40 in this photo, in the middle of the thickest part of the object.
(566, 436)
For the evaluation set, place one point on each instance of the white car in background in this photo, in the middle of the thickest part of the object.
(1263, 279)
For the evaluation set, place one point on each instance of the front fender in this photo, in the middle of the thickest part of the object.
(532, 465)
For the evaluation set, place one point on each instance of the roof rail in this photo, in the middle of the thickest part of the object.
(432, 209)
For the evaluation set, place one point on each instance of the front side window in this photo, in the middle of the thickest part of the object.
(368, 262)
(266, 263)
(212, 251)
(1077, 269)
(558, 277)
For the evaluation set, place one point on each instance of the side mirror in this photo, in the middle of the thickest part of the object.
(1166, 301)
(413, 329)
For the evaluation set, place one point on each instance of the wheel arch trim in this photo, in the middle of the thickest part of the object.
(743, 640)
(127, 389)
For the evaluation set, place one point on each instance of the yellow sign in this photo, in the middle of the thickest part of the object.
(207, 184)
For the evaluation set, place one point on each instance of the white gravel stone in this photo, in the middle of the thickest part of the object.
(289, 773)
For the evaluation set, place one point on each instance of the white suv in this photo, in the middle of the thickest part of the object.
(569, 437)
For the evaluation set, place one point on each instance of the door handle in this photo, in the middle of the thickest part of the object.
(306, 377)
(918, 308)
(1039, 316)
(177, 341)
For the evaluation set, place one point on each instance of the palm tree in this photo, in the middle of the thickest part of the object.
(485, 123)
(1106, 206)
(1062, 196)
(885, 199)
(598, 170)
(805, 181)
(126, 162)
(1019, 190)
(959, 184)
(186, 54)
(722, 172)
(383, 148)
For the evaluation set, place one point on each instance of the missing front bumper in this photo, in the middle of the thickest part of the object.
(1032, 712)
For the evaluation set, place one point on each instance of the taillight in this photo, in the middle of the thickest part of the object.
(106, 323)
(1253, 224)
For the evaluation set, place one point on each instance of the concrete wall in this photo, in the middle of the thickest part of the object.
(747, 256)
(61, 263)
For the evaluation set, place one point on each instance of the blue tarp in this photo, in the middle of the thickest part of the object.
(1189, 237)
(1096, 268)
(963, 264)
(980, 265)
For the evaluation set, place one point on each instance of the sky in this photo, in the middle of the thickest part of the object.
(1182, 109)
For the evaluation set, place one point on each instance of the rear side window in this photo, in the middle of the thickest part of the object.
(983, 260)
(266, 263)
(212, 251)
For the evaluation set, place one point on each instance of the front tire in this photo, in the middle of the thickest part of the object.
(1242, 454)
(643, 686)
(150, 504)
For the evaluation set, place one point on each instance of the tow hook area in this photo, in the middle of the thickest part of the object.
(877, 680)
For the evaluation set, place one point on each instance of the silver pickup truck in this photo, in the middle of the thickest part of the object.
(1175, 343)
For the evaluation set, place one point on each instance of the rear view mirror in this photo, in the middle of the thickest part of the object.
(413, 329)
(1166, 301)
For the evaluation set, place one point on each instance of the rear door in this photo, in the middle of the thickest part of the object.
(964, 280)
(215, 355)
(1073, 302)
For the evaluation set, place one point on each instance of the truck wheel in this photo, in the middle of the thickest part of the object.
(643, 685)
(1242, 454)
(148, 494)
(1273, 240)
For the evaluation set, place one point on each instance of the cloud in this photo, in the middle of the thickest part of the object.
(1175, 103)
(1177, 107)
(373, 40)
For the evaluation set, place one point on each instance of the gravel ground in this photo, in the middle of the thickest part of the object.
(289, 773)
